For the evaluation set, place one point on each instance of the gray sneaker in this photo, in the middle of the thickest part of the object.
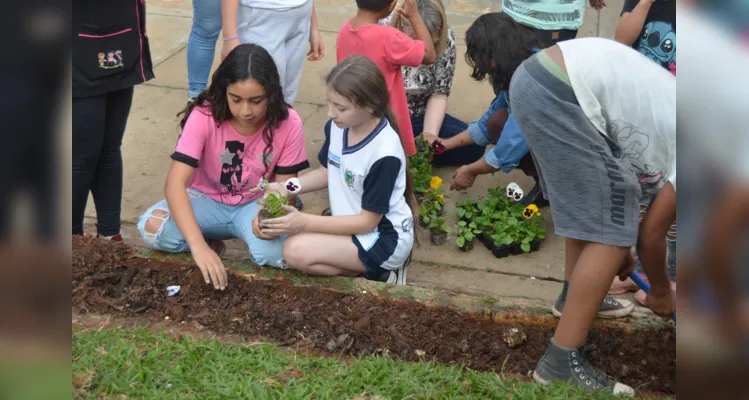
(610, 307)
(570, 365)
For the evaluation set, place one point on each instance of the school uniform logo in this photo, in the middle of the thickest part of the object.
(111, 60)
(407, 224)
(349, 177)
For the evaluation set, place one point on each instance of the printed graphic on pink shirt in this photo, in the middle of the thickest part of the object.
(238, 174)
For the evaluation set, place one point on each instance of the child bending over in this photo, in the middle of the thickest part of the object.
(604, 121)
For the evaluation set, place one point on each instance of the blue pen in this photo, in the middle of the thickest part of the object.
(644, 286)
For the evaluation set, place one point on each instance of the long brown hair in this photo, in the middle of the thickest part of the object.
(246, 61)
(358, 79)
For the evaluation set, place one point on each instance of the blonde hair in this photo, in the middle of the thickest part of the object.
(435, 19)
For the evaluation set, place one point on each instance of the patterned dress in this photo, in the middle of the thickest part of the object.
(428, 80)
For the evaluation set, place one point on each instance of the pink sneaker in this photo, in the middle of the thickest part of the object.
(621, 287)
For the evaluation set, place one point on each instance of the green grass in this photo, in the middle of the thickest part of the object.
(489, 300)
(141, 364)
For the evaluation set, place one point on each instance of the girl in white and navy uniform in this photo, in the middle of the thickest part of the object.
(364, 167)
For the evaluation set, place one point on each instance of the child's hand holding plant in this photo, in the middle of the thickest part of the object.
(292, 223)
(430, 137)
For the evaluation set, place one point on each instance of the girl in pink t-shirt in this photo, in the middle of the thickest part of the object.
(234, 134)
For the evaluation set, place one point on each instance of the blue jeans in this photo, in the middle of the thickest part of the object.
(201, 46)
(216, 221)
(451, 126)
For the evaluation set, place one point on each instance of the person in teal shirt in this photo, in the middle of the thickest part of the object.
(551, 20)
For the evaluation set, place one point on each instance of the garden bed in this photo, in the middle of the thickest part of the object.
(107, 278)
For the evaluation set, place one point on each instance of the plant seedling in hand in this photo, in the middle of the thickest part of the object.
(272, 206)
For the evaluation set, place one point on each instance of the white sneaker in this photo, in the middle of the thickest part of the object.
(401, 275)
(397, 277)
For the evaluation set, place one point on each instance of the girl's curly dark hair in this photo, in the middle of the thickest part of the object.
(246, 61)
(496, 46)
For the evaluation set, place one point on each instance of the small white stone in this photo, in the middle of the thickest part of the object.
(172, 290)
(533, 277)
(167, 317)
(420, 353)
(364, 291)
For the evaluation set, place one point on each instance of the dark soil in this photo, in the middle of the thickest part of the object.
(438, 238)
(263, 215)
(109, 279)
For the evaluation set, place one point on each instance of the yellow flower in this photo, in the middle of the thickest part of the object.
(441, 196)
(435, 183)
(530, 211)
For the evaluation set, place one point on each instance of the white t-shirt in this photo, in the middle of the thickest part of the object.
(713, 103)
(631, 100)
(279, 5)
(371, 176)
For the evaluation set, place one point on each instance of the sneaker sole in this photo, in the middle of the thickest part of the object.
(612, 314)
(404, 271)
(402, 276)
(539, 379)
(619, 388)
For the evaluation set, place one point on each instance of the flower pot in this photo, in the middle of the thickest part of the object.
(467, 247)
(438, 237)
(263, 215)
(535, 245)
(515, 249)
(500, 251)
(486, 240)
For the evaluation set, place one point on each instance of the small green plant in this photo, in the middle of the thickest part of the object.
(529, 230)
(466, 233)
(438, 230)
(466, 209)
(436, 200)
(273, 206)
(421, 167)
(488, 300)
(513, 227)
(437, 225)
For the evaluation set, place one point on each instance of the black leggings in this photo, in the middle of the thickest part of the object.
(98, 127)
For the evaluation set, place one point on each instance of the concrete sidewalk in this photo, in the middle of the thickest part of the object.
(152, 134)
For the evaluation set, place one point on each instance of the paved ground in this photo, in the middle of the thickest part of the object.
(152, 134)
